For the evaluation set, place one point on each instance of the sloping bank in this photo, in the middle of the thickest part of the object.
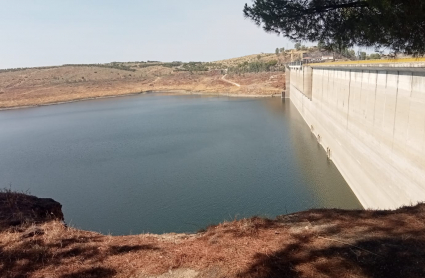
(28, 91)
(34, 242)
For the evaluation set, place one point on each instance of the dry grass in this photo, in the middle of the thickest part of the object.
(263, 57)
(316, 243)
(265, 82)
(54, 85)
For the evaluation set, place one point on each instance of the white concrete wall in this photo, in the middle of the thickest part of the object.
(373, 121)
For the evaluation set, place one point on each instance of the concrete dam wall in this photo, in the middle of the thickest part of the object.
(370, 119)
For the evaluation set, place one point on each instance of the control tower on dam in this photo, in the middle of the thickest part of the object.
(369, 116)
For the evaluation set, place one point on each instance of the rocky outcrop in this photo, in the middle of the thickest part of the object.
(18, 208)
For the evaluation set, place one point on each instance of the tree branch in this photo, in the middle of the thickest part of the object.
(321, 9)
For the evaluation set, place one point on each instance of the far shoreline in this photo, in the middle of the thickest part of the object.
(175, 92)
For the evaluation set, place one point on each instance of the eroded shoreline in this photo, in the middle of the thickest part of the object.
(168, 92)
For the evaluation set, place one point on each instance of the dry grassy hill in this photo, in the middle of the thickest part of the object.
(263, 57)
(38, 86)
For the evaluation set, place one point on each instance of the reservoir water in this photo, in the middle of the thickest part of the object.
(168, 163)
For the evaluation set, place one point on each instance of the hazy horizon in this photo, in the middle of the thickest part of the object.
(48, 33)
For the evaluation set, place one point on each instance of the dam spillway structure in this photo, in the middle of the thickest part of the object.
(370, 118)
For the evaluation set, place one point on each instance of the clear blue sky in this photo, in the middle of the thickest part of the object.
(55, 32)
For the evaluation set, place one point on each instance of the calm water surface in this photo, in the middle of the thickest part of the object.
(158, 163)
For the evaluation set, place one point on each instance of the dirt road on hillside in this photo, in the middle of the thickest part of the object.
(228, 81)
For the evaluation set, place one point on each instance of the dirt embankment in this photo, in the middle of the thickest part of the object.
(40, 86)
(315, 243)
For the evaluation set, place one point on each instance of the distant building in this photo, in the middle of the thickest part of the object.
(327, 57)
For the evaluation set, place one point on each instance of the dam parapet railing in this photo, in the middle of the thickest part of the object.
(370, 117)
(400, 63)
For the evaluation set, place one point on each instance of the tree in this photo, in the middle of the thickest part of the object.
(321, 45)
(277, 51)
(362, 55)
(258, 57)
(297, 46)
(375, 56)
(398, 25)
(282, 49)
(348, 53)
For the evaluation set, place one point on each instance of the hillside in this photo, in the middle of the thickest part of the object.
(263, 57)
(46, 85)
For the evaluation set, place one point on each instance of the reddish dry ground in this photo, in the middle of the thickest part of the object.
(260, 82)
(315, 243)
(53, 85)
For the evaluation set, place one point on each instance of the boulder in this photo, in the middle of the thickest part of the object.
(19, 208)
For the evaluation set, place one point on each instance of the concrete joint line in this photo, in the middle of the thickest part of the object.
(374, 104)
(349, 95)
(385, 99)
(395, 110)
(408, 115)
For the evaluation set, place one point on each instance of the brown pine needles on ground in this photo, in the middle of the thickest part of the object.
(315, 243)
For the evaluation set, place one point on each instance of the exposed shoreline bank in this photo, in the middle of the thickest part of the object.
(175, 92)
